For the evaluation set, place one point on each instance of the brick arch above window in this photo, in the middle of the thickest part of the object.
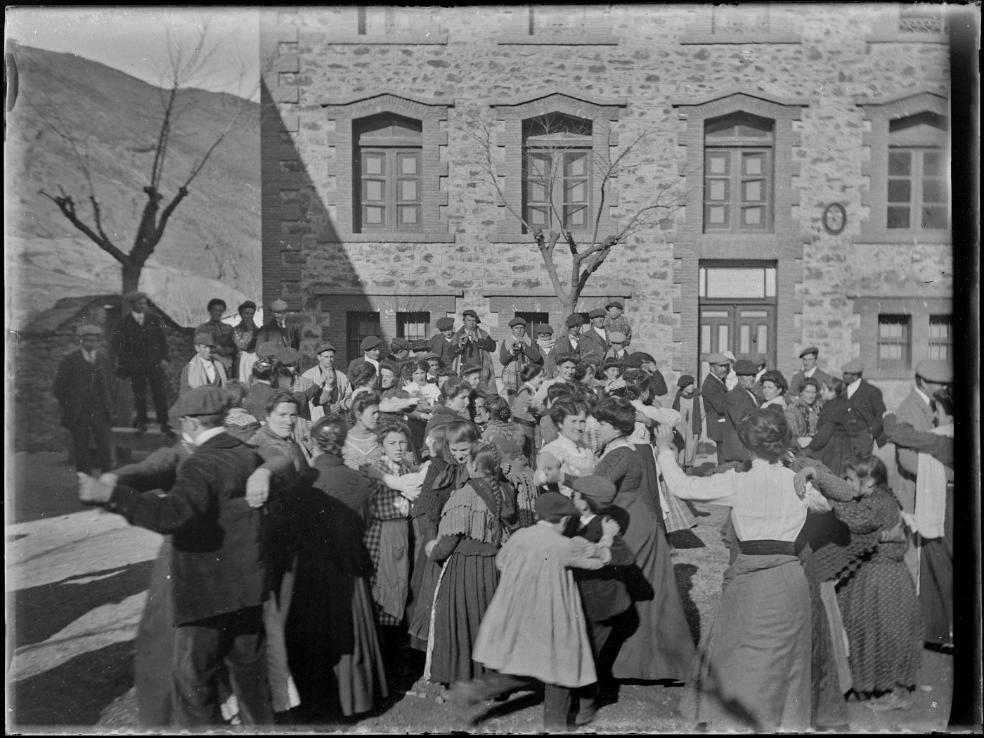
(882, 114)
(344, 118)
(512, 115)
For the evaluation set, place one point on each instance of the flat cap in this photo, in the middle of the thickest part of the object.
(204, 339)
(854, 366)
(574, 319)
(135, 295)
(616, 304)
(685, 380)
(88, 330)
(369, 343)
(553, 504)
(745, 367)
(730, 356)
(267, 349)
(399, 344)
(429, 355)
(597, 313)
(469, 369)
(600, 490)
(539, 328)
(933, 370)
(517, 321)
(325, 346)
(716, 358)
(278, 305)
(633, 361)
(616, 337)
(472, 313)
(287, 355)
(445, 324)
(809, 350)
(205, 400)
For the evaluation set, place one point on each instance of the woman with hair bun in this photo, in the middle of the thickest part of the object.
(755, 662)
(512, 443)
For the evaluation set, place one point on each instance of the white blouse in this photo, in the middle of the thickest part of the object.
(575, 460)
(763, 502)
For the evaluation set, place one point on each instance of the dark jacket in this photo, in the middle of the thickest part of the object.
(446, 350)
(737, 402)
(695, 416)
(868, 404)
(290, 335)
(225, 342)
(796, 383)
(563, 346)
(82, 388)
(603, 592)
(593, 347)
(140, 346)
(712, 394)
(218, 564)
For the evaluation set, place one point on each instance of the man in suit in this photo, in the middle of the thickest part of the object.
(222, 334)
(82, 388)
(866, 401)
(278, 330)
(810, 369)
(141, 355)
(712, 394)
(204, 368)
(475, 348)
(737, 402)
(370, 347)
(219, 574)
(442, 343)
(571, 342)
(516, 352)
(594, 339)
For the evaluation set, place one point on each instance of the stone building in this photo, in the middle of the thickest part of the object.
(804, 149)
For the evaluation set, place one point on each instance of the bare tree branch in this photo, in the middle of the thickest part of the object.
(67, 207)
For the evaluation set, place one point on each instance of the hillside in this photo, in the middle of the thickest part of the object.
(211, 246)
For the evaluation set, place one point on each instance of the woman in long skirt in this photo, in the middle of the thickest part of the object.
(510, 439)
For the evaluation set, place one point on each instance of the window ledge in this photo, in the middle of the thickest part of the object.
(906, 38)
(404, 237)
(908, 238)
(565, 39)
(873, 373)
(528, 238)
(740, 38)
(393, 39)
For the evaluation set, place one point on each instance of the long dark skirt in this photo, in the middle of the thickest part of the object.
(467, 585)
(423, 583)
(754, 666)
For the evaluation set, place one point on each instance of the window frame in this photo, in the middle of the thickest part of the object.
(735, 150)
(352, 343)
(905, 342)
(403, 320)
(936, 342)
(557, 150)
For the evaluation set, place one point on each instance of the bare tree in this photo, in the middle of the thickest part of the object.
(184, 66)
(547, 169)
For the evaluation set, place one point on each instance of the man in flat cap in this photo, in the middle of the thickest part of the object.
(737, 402)
(222, 334)
(442, 343)
(616, 321)
(617, 346)
(82, 388)
(203, 369)
(866, 401)
(278, 330)
(570, 342)
(810, 370)
(546, 346)
(219, 569)
(371, 347)
(712, 395)
(516, 352)
(594, 338)
(475, 348)
(141, 356)
(334, 382)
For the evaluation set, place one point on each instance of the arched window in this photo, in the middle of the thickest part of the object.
(917, 196)
(738, 173)
(388, 171)
(557, 172)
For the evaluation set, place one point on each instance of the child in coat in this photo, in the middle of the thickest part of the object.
(534, 629)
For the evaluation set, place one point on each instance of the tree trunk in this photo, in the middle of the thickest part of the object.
(131, 276)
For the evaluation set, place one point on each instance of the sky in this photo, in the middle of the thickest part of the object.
(134, 39)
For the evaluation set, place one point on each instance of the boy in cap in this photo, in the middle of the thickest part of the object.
(474, 348)
(516, 352)
(141, 356)
(370, 347)
(737, 402)
(203, 369)
(442, 343)
(594, 338)
(810, 369)
(218, 568)
(546, 345)
(617, 343)
(687, 403)
(223, 341)
(82, 388)
(570, 342)
(278, 330)
(615, 321)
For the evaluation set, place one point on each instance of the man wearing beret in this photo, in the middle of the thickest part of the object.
(737, 402)
(712, 394)
(810, 369)
(141, 355)
(370, 347)
(82, 388)
(334, 382)
(223, 340)
(474, 348)
(219, 572)
(615, 321)
(516, 352)
(442, 343)
(866, 400)
(594, 338)
(203, 369)
(278, 330)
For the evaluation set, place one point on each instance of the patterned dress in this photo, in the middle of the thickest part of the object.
(512, 443)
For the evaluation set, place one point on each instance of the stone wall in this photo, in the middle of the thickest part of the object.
(643, 66)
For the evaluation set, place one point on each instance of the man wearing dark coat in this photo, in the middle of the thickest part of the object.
(866, 401)
(475, 348)
(442, 343)
(141, 355)
(82, 388)
(594, 339)
(737, 402)
(810, 369)
(218, 567)
(277, 330)
(712, 394)
(223, 337)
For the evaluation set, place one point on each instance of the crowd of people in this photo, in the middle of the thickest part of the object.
(425, 514)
